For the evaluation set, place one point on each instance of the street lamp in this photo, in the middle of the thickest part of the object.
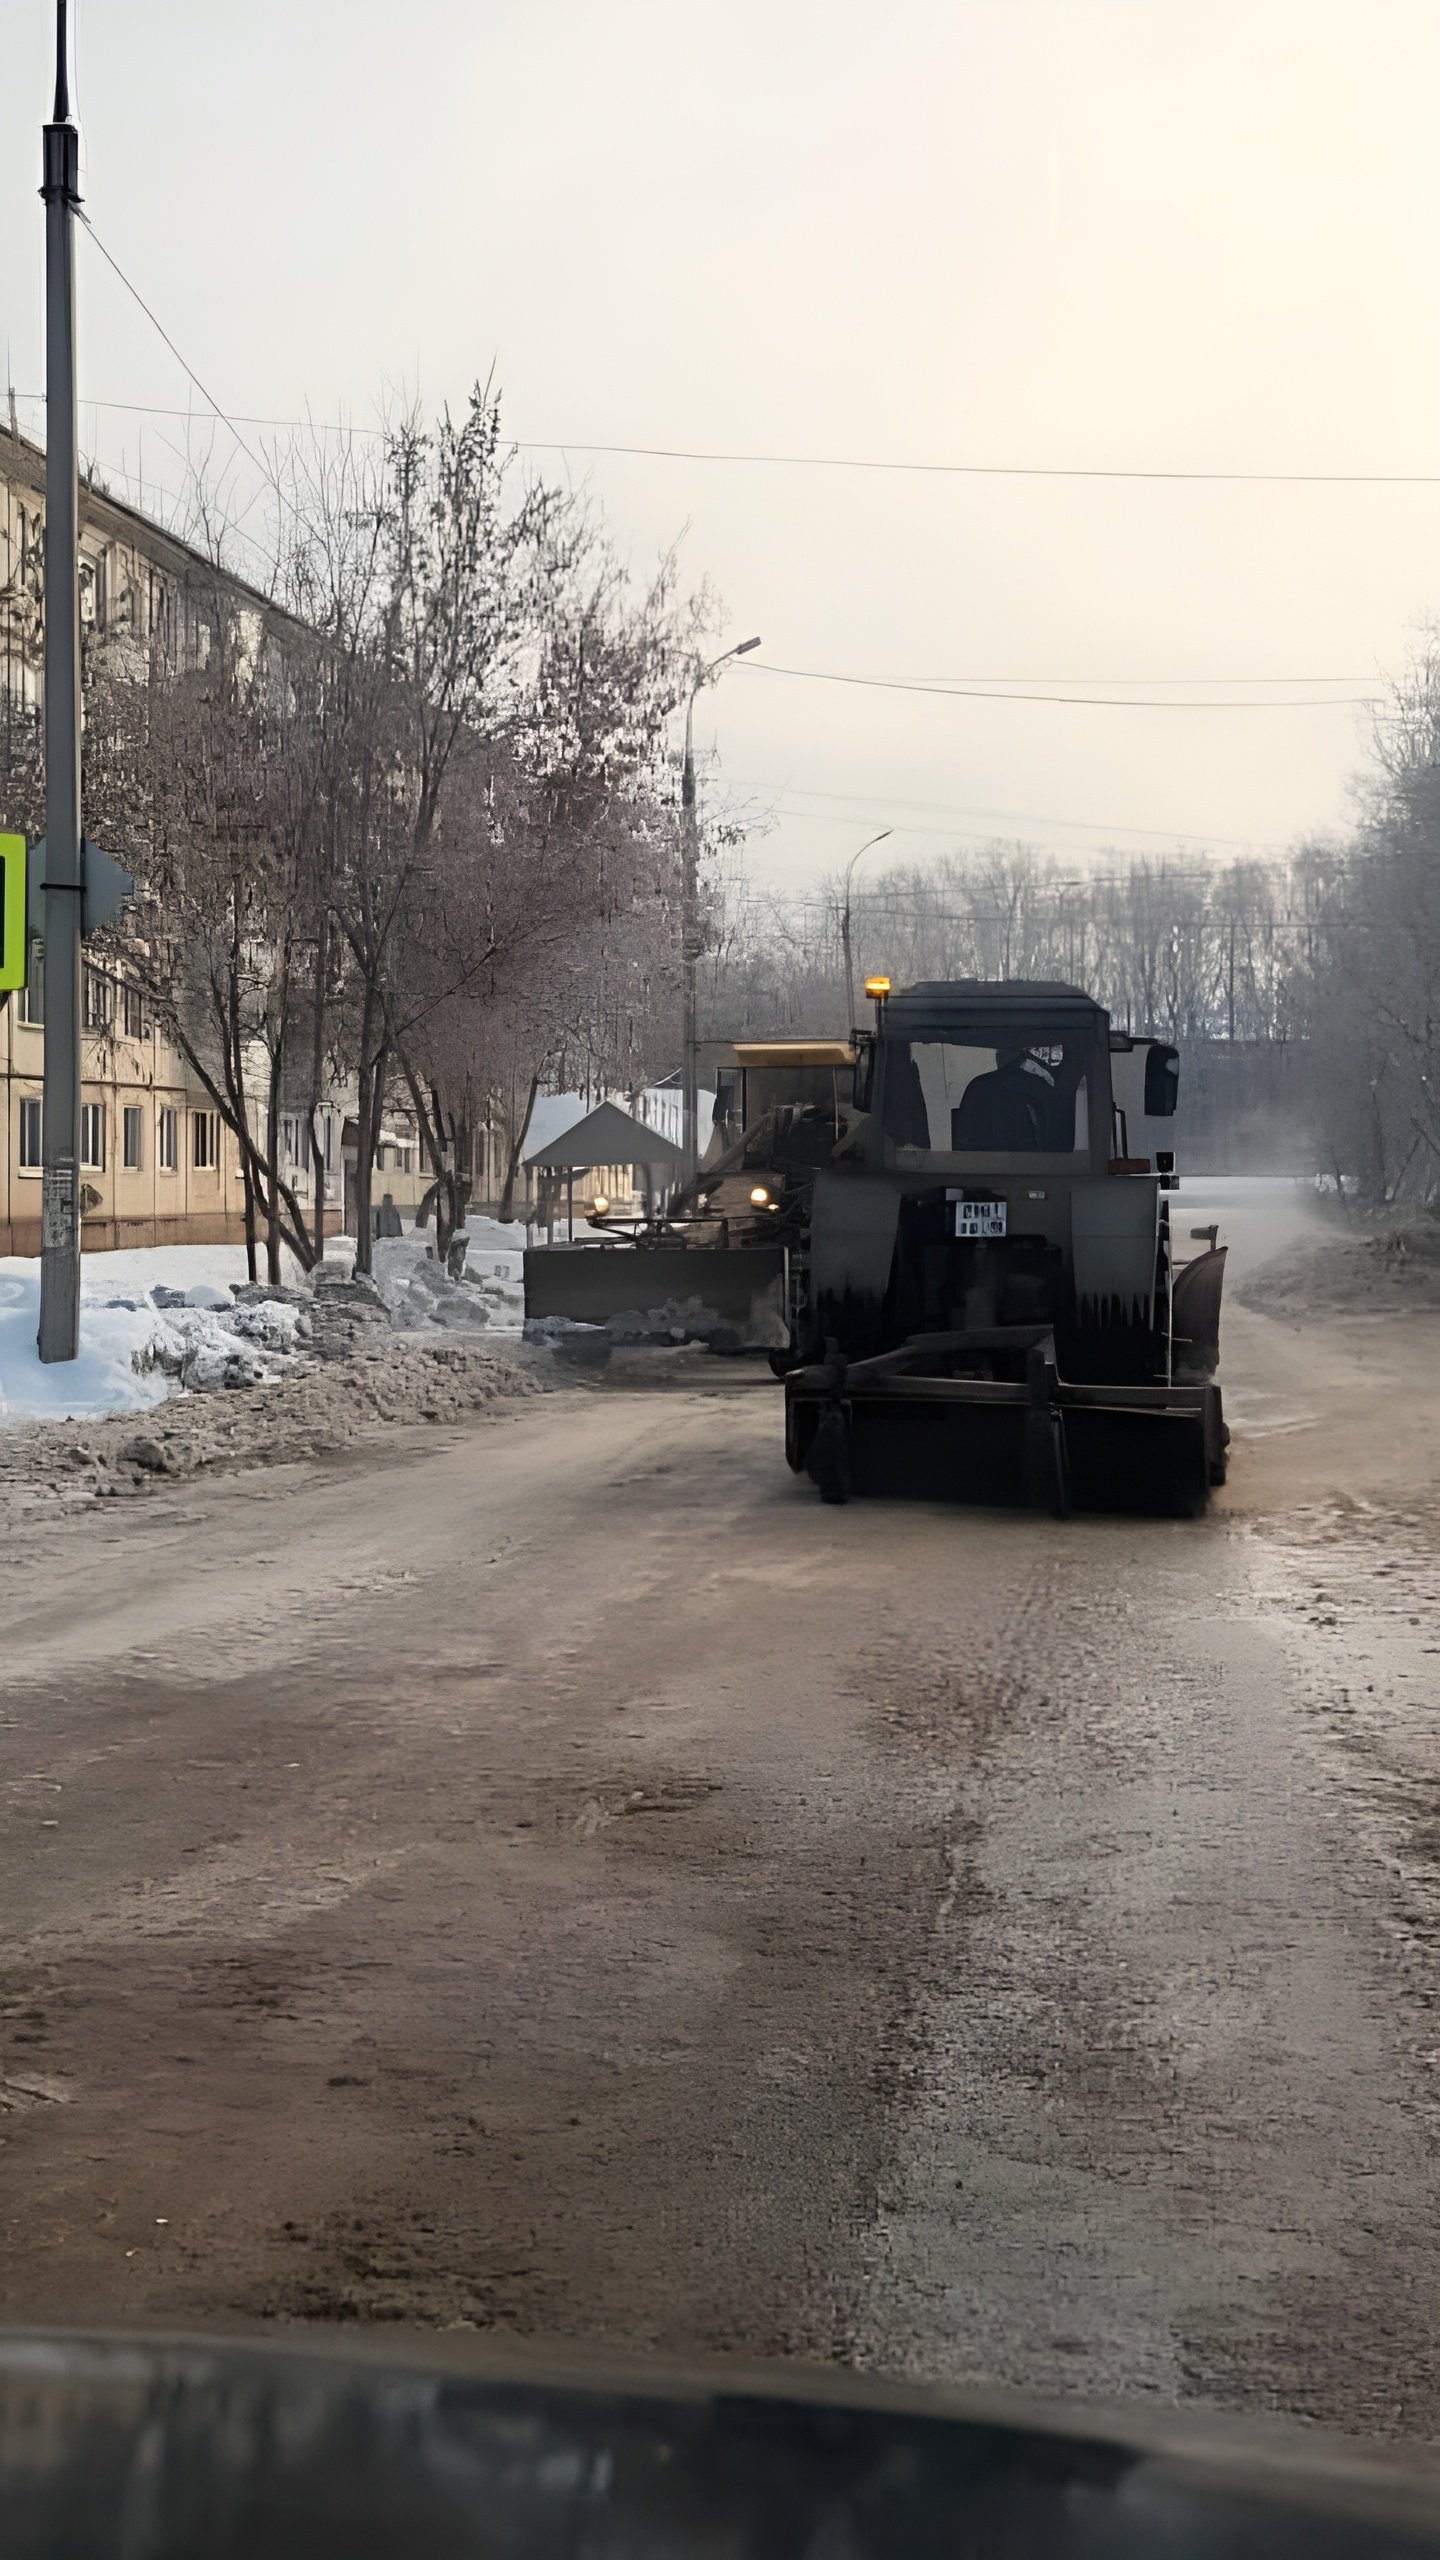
(845, 920)
(690, 916)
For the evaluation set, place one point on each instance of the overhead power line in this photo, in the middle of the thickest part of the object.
(1090, 701)
(823, 461)
(232, 417)
(921, 684)
(995, 470)
(185, 366)
(969, 834)
(948, 681)
(889, 801)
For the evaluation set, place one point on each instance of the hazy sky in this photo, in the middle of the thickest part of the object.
(1162, 234)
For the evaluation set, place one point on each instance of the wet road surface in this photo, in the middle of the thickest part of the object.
(555, 1876)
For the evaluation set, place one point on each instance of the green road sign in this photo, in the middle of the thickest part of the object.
(13, 954)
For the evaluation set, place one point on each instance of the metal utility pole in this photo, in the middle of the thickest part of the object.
(845, 924)
(64, 870)
(690, 919)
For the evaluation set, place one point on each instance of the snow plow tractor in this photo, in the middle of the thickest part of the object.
(991, 1303)
(715, 1267)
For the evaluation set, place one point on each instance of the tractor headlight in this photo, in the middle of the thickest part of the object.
(759, 1197)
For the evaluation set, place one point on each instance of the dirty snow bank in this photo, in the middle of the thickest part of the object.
(419, 1291)
(314, 1409)
(159, 1320)
(139, 1345)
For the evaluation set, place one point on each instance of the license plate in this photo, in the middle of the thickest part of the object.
(981, 1218)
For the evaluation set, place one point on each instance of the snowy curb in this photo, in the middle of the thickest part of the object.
(315, 1409)
(163, 1328)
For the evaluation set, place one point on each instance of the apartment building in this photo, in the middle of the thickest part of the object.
(158, 1164)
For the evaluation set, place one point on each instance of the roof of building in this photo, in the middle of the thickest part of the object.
(606, 1135)
(21, 459)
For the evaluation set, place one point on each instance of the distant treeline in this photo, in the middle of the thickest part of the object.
(1304, 992)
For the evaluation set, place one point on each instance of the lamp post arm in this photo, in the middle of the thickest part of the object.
(866, 847)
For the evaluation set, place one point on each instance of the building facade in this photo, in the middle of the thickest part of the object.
(158, 1163)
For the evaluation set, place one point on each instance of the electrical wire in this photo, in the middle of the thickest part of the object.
(1088, 701)
(978, 684)
(1033, 838)
(186, 368)
(996, 470)
(885, 804)
(856, 462)
(947, 681)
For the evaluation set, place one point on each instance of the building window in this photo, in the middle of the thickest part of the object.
(30, 1126)
(133, 1012)
(92, 1136)
(32, 994)
(405, 1159)
(206, 1151)
(96, 1000)
(293, 1139)
(329, 1126)
(133, 1143)
(168, 1150)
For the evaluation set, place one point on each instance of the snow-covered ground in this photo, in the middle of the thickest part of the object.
(134, 1352)
(104, 1379)
(104, 1276)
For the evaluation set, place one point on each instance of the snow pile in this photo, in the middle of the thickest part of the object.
(405, 1382)
(134, 1352)
(105, 1377)
(419, 1291)
(212, 1342)
(584, 1346)
(167, 1319)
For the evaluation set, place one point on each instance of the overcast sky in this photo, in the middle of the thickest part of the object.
(1151, 234)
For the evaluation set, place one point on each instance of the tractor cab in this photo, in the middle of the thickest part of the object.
(989, 1295)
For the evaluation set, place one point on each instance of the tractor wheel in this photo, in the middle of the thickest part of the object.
(1217, 1438)
(827, 1460)
(1047, 1462)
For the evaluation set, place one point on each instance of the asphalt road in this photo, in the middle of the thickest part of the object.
(553, 1875)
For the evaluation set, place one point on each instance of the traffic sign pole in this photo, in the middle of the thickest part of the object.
(14, 936)
(59, 1335)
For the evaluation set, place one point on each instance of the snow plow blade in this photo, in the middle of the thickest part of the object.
(730, 1296)
(891, 1426)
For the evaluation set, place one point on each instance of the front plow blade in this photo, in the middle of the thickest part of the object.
(730, 1295)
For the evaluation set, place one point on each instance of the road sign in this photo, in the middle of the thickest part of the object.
(14, 960)
(106, 889)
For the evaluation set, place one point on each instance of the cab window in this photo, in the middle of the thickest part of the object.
(944, 1099)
